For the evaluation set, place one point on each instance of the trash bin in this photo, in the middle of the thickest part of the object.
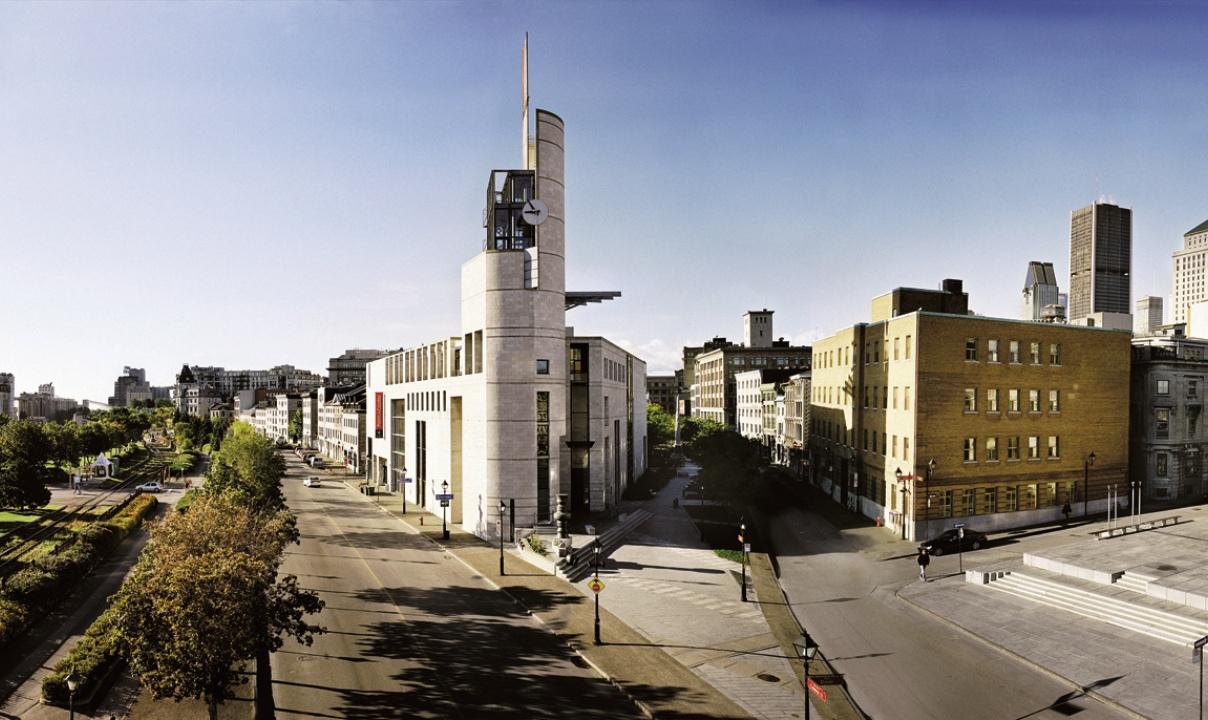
(370, 490)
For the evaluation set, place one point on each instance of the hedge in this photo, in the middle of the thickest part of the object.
(33, 590)
(91, 659)
(13, 619)
(97, 652)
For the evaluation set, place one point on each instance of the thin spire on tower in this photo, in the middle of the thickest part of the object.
(524, 107)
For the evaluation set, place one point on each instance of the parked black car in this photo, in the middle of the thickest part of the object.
(948, 542)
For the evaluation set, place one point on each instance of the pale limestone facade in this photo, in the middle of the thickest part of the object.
(514, 408)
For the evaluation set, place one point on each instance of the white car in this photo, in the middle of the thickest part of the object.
(312, 481)
(151, 487)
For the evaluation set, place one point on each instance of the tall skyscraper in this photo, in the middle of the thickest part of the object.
(1039, 290)
(1100, 261)
(1148, 317)
(1189, 272)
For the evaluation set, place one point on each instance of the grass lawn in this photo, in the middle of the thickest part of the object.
(11, 520)
(728, 554)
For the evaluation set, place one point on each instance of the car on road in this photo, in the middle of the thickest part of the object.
(312, 481)
(316, 462)
(948, 541)
(151, 487)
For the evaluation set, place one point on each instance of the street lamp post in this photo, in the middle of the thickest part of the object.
(927, 489)
(73, 682)
(444, 507)
(595, 553)
(806, 649)
(902, 489)
(1135, 487)
(742, 548)
(1086, 475)
(502, 506)
(960, 545)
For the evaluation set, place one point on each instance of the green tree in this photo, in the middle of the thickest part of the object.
(660, 426)
(25, 452)
(205, 598)
(249, 467)
(295, 426)
(182, 433)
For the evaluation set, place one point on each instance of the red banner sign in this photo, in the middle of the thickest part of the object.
(377, 414)
(816, 689)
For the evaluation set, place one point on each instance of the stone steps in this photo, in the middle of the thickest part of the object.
(578, 564)
(1137, 617)
(1132, 582)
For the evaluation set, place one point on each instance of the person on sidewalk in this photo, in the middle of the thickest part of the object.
(924, 560)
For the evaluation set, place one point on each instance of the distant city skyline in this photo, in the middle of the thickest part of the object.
(255, 185)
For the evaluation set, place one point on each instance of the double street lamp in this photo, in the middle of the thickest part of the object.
(806, 649)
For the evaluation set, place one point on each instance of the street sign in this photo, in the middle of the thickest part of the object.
(1197, 651)
(816, 689)
(444, 503)
(408, 480)
(596, 585)
(746, 547)
(444, 497)
(739, 537)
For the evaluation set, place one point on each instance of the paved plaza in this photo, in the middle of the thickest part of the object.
(678, 593)
(1146, 674)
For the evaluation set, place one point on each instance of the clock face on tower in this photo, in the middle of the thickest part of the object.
(534, 212)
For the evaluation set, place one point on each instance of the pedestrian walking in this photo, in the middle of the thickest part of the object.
(1065, 509)
(924, 560)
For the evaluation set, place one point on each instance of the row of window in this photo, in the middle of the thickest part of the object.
(997, 499)
(1013, 396)
(885, 445)
(1053, 451)
(872, 353)
(432, 400)
(875, 396)
(1013, 355)
(1162, 387)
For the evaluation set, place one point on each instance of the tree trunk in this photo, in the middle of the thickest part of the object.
(265, 709)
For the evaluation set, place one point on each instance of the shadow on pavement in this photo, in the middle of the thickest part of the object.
(469, 654)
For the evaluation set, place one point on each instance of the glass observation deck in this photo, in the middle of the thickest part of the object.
(507, 192)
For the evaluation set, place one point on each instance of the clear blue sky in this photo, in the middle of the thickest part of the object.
(262, 183)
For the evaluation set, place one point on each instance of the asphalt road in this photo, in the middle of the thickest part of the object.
(412, 632)
(900, 663)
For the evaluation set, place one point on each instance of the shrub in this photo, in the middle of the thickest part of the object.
(98, 535)
(130, 516)
(30, 586)
(13, 619)
(187, 499)
(537, 546)
(90, 659)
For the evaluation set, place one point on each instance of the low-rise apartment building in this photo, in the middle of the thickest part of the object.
(922, 417)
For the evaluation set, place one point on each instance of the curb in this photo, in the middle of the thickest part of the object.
(1011, 653)
(641, 706)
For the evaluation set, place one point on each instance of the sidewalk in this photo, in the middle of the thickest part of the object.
(674, 590)
(654, 680)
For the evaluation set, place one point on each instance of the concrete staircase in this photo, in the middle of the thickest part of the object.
(578, 564)
(1132, 582)
(1135, 616)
